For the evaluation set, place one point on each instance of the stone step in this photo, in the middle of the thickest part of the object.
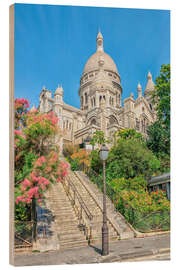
(65, 218)
(68, 230)
(94, 240)
(62, 210)
(73, 244)
(66, 222)
(71, 237)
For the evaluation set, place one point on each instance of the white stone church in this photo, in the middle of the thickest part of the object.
(101, 108)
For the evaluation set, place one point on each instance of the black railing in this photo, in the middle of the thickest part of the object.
(78, 196)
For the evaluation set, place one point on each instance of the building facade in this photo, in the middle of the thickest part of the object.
(101, 107)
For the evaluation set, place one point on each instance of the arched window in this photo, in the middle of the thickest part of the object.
(113, 120)
(94, 101)
(86, 98)
(93, 121)
(82, 101)
(137, 124)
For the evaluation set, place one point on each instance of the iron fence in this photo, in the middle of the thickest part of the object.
(23, 234)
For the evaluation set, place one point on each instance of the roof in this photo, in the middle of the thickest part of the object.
(163, 178)
(93, 62)
(150, 84)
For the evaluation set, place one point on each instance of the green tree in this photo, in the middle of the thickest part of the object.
(161, 96)
(95, 161)
(130, 134)
(98, 138)
(130, 158)
(159, 132)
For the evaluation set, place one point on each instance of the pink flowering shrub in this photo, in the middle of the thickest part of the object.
(37, 163)
(21, 106)
(46, 170)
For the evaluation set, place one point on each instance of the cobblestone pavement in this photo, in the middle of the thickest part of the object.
(138, 249)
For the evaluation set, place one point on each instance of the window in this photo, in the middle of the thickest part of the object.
(91, 102)
(86, 98)
(137, 124)
(93, 122)
(94, 101)
(113, 120)
(82, 101)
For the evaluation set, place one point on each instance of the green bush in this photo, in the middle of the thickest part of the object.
(130, 158)
(96, 163)
(75, 164)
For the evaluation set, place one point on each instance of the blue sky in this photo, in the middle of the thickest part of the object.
(53, 43)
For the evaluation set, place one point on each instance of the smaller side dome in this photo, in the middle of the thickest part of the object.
(150, 85)
(59, 90)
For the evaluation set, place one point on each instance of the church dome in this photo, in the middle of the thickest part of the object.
(92, 63)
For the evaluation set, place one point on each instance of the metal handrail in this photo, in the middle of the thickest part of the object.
(81, 202)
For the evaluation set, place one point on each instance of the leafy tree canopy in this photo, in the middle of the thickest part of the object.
(130, 158)
(161, 96)
(98, 138)
(159, 132)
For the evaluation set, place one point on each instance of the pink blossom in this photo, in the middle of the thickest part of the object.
(26, 183)
(42, 187)
(17, 132)
(46, 182)
(18, 199)
(43, 159)
(58, 179)
(64, 173)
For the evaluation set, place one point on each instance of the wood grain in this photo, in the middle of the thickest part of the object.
(11, 134)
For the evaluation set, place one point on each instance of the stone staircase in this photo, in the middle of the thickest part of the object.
(65, 226)
(75, 210)
(93, 198)
(122, 227)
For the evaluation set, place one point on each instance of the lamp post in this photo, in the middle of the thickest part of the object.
(105, 234)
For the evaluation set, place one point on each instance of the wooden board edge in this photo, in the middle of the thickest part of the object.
(11, 133)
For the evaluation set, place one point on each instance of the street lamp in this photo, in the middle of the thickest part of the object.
(105, 235)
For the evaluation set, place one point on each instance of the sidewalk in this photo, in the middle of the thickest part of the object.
(119, 251)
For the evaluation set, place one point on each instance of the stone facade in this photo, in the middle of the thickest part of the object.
(100, 102)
